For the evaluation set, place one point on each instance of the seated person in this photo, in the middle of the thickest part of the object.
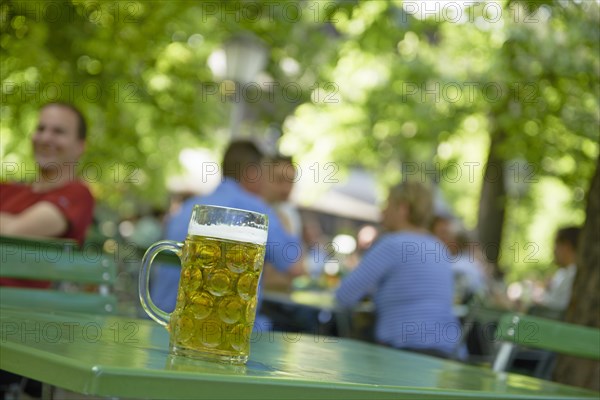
(408, 277)
(56, 203)
(469, 275)
(239, 188)
(558, 292)
(279, 175)
(552, 305)
(444, 227)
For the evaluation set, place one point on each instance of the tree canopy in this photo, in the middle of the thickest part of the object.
(403, 89)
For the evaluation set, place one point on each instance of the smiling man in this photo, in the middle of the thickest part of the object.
(56, 203)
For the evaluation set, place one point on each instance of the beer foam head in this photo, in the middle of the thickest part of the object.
(245, 234)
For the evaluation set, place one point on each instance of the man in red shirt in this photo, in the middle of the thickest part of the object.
(56, 203)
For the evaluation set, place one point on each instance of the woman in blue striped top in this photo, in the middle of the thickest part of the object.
(408, 274)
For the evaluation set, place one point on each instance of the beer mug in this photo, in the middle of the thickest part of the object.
(221, 262)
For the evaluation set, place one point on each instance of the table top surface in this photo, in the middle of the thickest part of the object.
(116, 356)
(320, 299)
(325, 300)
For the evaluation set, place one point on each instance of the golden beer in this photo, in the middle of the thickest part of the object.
(221, 261)
(216, 301)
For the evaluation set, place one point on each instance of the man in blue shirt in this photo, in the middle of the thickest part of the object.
(242, 181)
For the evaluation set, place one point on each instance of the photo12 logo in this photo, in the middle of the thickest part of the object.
(96, 12)
(90, 172)
(478, 12)
(316, 172)
(271, 92)
(468, 92)
(90, 92)
(513, 172)
(68, 332)
(268, 11)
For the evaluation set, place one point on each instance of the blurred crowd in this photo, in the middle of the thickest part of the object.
(415, 265)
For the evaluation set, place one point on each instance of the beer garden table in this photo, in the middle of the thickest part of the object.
(324, 300)
(123, 357)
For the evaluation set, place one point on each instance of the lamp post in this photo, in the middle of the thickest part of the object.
(245, 56)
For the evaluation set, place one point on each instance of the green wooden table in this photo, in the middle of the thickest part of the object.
(325, 300)
(115, 356)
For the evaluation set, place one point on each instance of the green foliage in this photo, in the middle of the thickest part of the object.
(432, 92)
(139, 73)
(380, 87)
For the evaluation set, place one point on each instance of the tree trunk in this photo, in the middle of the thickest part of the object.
(490, 219)
(584, 308)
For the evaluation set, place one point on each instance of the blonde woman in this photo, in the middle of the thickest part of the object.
(408, 275)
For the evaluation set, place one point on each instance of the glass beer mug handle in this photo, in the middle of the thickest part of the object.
(144, 288)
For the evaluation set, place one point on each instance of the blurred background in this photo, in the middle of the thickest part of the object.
(495, 103)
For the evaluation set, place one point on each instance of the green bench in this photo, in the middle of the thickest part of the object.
(544, 334)
(478, 328)
(59, 261)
